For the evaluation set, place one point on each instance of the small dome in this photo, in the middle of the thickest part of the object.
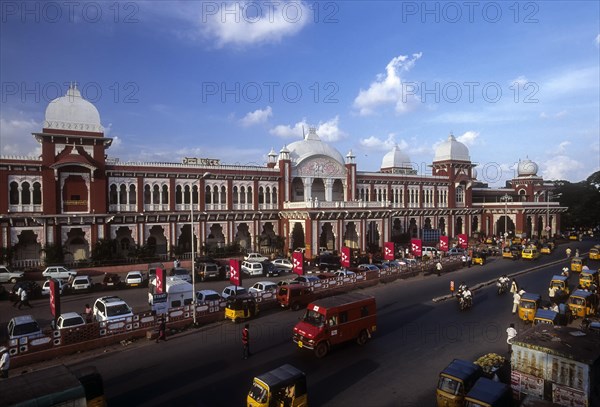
(452, 149)
(395, 159)
(312, 145)
(72, 112)
(527, 168)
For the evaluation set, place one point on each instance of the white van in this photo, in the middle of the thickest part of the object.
(252, 268)
(429, 251)
(178, 293)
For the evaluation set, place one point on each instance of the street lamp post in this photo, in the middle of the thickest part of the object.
(205, 175)
(506, 199)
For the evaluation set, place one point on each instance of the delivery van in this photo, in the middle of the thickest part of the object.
(334, 320)
(178, 293)
(295, 296)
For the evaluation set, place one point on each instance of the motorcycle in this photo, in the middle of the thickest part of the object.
(464, 301)
(502, 286)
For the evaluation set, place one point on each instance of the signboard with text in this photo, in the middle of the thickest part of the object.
(235, 275)
(298, 262)
(416, 247)
(388, 251)
(345, 259)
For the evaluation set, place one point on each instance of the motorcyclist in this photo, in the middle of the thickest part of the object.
(502, 283)
(565, 272)
(467, 297)
(461, 288)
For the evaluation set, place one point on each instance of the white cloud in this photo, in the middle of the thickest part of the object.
(469, 138)
(327, 131)
(241, 23)
(388, 88)
(257, 117)
(562, 147)
(16, 138)
(558, 115)
(378, 144)
(570, 81)
(598, 40)
(520, 81)
(561, 167)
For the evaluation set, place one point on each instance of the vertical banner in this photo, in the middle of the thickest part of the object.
(444, 243)
(160, 281)
(416, 247)
(54, 298)
(235, 275)
(463, 241)
(298, 261)
(345, 260)
(388, 251)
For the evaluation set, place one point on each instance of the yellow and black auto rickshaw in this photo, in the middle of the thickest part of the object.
(455, 382)
(573, 235)
(589, 277)
(281, 387)
(511, 252)
(528, 305)
(577, 264)
(582, 303)
(489, 393)
(559, 288)
(594, 253)
(241, 307)
(478, 258)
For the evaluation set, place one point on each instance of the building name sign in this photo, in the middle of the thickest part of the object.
(78, 202)
(201, 161)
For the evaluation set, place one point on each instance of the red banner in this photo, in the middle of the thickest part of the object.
(444, 243)
(54, 298)
(416, 247)
(235, 276)
(160, 281)
(388, 251)
(463, 241)
(345, 260)
(298, 261)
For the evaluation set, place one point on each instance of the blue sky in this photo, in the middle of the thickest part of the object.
(230, 80)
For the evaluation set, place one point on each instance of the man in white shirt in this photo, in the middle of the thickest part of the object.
(511, 332)
(4, 362)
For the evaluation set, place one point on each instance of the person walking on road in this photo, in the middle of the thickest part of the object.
(24, 299)
(246, 341)
(568, 252)
(4, 362)
(162, 330)
(511, 332)
(438, 267)
(88, 314)
(18, 294)
(516, 300)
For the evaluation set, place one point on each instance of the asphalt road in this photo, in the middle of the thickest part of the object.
(416, 338)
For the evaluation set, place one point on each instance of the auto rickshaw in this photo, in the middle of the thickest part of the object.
(241, 307)
(573, 235)
(528, 305)
(530, 253)
(455, 382)
(511, 252)
(546, 316)
(546, 249)
(284, 386)
(582, 303)
(488, 393)
(561, 286)
(478, 258)
(589, 277)
(577, 264)
(594, 253)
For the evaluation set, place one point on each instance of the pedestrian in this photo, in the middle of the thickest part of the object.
(162, 330)
(24, 299)
(18, 294)
(514, 287)
(4, 362)
(464, 259)
(438, 267)
(468, 261)
(88, 313)
(246, 341)
(511, 332)
(176, 263)
(576, 252)
(568, 251)
(516, 300)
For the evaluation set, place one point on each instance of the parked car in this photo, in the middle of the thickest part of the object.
(344, 273)
(62, 286)
(232, 290)
(255, 257)
(328, 262)
(308, 280)
(33, 289)
(82, 284)
(272, 270)
(205, 296)
(69, 320)
(205, 271)
(252, 268)
(58, 272)
(136, 279)
(111, 280)
(283, 263)
(368, 267)
(111, 308)
(181, 273)
(23, 326)
(7, 276)
(262, 287)
(456, 251)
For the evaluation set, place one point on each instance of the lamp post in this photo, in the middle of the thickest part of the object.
(506, 199)
(205, 175)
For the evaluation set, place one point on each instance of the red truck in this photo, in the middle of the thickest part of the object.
(334, 320)
(295, 296)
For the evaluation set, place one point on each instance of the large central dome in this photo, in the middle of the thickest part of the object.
(452, 149)
(72, 112)
(311, 146)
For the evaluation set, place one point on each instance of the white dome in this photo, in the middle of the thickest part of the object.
(395, 159)
(311, 146)
(527, 168)
(72, 112)
(452, 149)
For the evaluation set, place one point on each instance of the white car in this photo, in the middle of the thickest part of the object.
(205, 296)
(256, 257)
(252, 268)
(82, 283)
(7, 276)
(368, 267)
(111, 308)
(263, 287)
(283, 263)
(181, 273)
(344, 273)
(23, 326)
(136, 279)
(63, 287)
(58, 272)
(69, 320)
(232, 290)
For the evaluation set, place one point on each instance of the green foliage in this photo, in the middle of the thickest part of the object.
(54, 253)
(104, 249)
(582, 199)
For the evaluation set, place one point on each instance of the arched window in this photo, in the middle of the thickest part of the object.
(156, 195)
(37, 193)
(261, 195)
(207, 195)
(178, 195)
(274, 192)
(14, 193)
(147, 194)
(165, 194)
(186, 195)
(112, 195)
(25, 193)
(195, 194)
(223, 197)
(132, 194)
(460, 194)
(234, 194)
(123, 194)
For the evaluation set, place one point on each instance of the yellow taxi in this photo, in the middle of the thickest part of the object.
(530, 253)
(595, 252)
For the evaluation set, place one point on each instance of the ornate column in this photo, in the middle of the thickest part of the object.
(328, 189)
(307, 183)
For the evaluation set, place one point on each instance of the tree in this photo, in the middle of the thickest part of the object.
(54, 253)
(583, 200)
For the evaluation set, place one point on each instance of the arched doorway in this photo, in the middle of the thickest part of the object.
(298, 241)
(351, 236)
(27, 248)
(327, 238)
